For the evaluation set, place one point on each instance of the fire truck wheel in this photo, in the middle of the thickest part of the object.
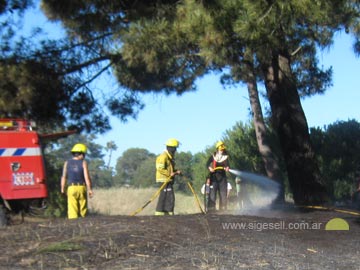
(3, 217)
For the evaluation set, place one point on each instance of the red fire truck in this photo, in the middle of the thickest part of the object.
(22, 169)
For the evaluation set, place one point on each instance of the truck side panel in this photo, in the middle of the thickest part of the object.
(22, 171)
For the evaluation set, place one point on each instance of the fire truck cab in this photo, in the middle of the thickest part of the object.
(22, 170)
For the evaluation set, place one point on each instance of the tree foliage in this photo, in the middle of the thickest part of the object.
(144, 176)
(50, 80)
(338, 147)
(243, 148)
(164, 46)
(128, 164)
(184, 162)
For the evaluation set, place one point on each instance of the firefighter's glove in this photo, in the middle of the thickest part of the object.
(176, 173)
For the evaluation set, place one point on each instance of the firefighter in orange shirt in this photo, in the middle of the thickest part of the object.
(218, 165)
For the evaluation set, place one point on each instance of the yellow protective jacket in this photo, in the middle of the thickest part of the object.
(164, 167)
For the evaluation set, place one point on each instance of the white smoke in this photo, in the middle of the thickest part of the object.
(261, 191)
(260, 180)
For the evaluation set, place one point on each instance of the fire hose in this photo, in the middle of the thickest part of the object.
(157, 194)
(196, 197)
(151, 199)
(318, 207)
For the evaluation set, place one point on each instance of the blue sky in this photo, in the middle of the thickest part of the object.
(198, 119)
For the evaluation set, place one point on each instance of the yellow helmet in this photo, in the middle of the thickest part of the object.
(172, 142)
(220, 145)
(79, 148)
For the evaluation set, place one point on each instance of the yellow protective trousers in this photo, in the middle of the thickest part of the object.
(77, 201)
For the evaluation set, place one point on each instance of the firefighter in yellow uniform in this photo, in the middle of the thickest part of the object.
(165, 172)
(76, 176)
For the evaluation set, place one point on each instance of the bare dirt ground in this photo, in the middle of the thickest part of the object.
(212, 241)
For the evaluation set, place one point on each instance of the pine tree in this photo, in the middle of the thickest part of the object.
(164, 46)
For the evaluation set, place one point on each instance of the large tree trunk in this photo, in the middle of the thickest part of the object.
(290, 122)
(270, 161)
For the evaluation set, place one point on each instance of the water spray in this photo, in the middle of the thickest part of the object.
(263, 197)
(257, 179)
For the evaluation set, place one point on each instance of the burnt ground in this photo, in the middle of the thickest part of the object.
(184, 242)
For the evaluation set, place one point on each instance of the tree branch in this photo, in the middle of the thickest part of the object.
(296, 51)
(93, 77)
(93, 61)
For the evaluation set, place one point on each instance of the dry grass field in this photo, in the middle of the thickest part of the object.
(124, 201)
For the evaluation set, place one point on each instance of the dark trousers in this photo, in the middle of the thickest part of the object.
(221, 188)
(166, 202)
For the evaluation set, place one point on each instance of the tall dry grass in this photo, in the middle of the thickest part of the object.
(124, 201)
